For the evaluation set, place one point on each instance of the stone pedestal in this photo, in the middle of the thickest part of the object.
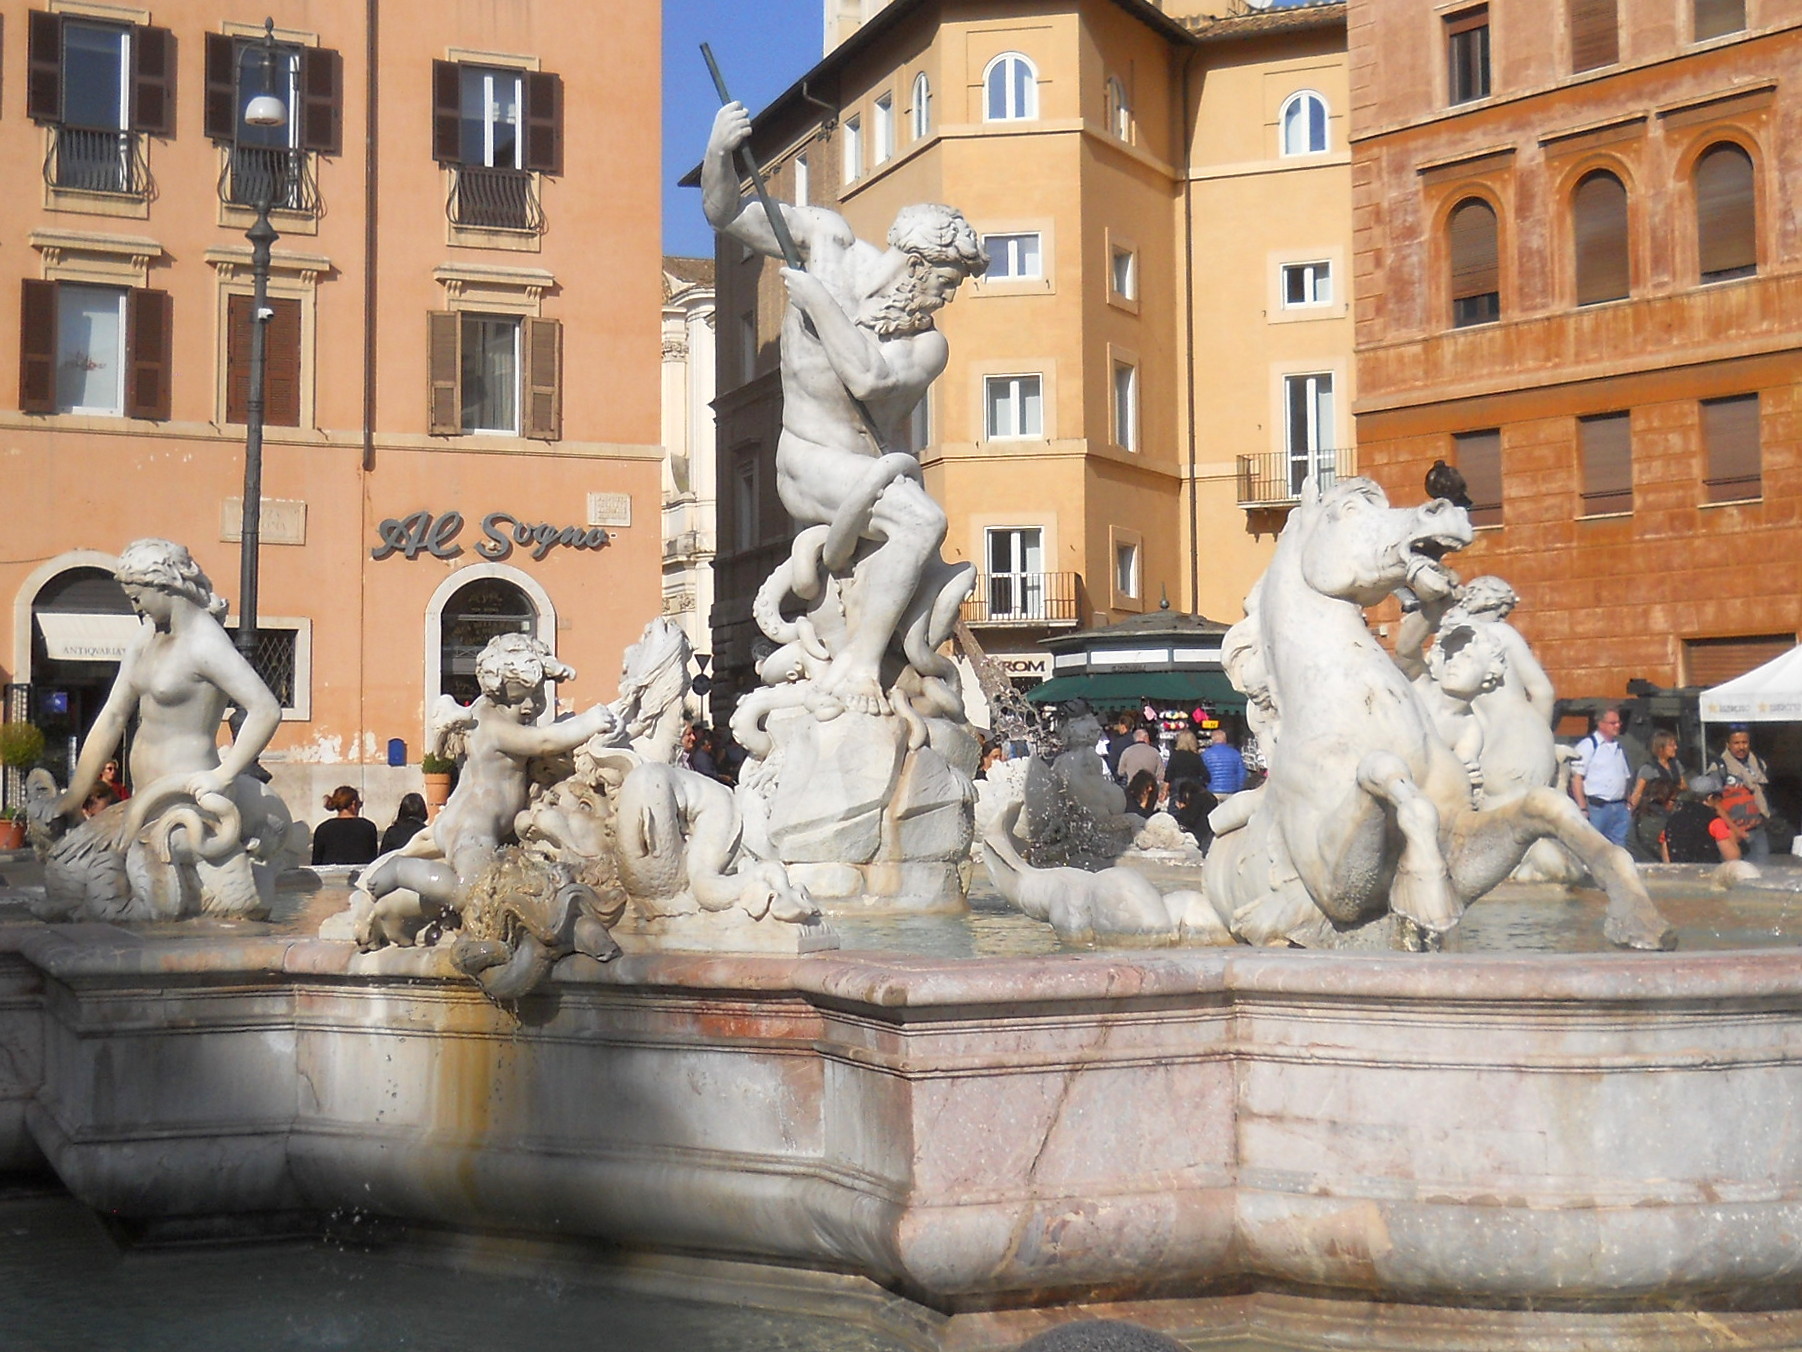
(730, 931)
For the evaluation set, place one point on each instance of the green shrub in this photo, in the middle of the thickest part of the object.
(21, 745)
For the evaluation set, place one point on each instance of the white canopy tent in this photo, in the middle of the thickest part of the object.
(1768, 694)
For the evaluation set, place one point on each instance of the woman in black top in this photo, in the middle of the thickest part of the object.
(409, 821)
(346, 838)
(1185, 760)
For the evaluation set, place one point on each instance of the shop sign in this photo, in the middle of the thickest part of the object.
(426, 533)
(1024, 666)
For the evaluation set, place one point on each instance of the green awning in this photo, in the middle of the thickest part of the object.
(1134, 687)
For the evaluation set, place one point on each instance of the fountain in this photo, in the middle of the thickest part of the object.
(608, 1021)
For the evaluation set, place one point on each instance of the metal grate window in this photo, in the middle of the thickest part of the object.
(273, 659)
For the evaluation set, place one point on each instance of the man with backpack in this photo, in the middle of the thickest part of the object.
(1600, 778)
(1744, 775)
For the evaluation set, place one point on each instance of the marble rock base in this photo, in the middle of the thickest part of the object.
(720, 932)
(921, 887)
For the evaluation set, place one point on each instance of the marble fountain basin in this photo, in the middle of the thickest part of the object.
(1603, 1131)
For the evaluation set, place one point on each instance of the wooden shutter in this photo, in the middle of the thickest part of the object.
(37, 348)
(44, 67)
(221, 106)
(281, 365)
(1594, 34)
(542, 340)
(1474, 266)
(1712, 661)
(1478, 457)
(1717, 17)
(447, 112)
(1599, 227)
(444, 348)
(1605, 444)
(321, 100)
(237, 358)
(148, 335)
(1730, 438)
(1726, 213)
(153, 81)
(544, 122)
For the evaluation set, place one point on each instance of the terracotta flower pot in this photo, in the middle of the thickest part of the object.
(12, 834)
(437, 792)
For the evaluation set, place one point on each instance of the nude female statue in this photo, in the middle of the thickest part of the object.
(181, 839)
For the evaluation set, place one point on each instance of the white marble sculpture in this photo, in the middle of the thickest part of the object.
(202, 834)
(860, 777)
(1367, 810)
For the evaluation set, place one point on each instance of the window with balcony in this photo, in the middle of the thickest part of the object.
(1013, 407)
(496, 129)
(1010, 89)
(1595, 38)
(496, 374)
(1303, 124)
(884, 129)
(1308, 431)
(1467, 55)
(1717, 18)
(1306, 285)
(99, 350)
(1605, 446)
(1731, 442)
(273, 163)
(1475, 264)
(1013, 257)
(1016, 564)
(1599, 233)
(1726, 214)
(1478, 457)
(100, 88)
(922, 109)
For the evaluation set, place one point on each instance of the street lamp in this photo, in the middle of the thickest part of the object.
(264, 110)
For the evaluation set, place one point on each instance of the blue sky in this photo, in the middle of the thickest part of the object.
(763, 46)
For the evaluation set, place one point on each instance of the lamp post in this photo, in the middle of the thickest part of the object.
(265, 110)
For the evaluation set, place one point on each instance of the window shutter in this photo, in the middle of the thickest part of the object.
(281, 365)
(44, 67)
(153, 81)
(447, 112)
(1730, 436)
(221, 106)
(147, 345)
(1594, 34)
(444, 355)
(1715, 18)
(1606, 446)
(1478, 457)
(1599, 225)
(544, 122)
(321, 100)
(1474, 267)
(543, 342)
(37, 348)
(237, 358)
(1726, 213)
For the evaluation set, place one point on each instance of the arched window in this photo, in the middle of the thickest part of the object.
(1599, 234)
(1119, 111)
(1011, 89)
(1726, 214)
(1303, 124)
(922, 112)
(1476, 274)
(474, 614)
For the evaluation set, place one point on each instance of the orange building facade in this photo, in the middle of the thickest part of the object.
(1578, 276)
(463, 348)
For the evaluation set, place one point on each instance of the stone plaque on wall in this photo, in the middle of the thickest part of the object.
(609, 509)
(284, 521)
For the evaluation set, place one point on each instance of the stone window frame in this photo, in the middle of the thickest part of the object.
(292, 276)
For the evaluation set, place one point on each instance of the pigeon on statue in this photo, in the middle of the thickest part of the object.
(1445, 482)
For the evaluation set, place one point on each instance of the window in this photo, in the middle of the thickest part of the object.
(1303, 124)
(495, 127)
(1308, 429)
(1119, 111)
(499, 374)
(1016, 559)
(1012, 257)
(1478, 457)
(1307, 284)
(282, 657)
(922, 110)
(919, 425)
(747, 347)
(94, 349)
(476, 612)
(1730, 441)
(1594, 34)
(273, 161)
(884, 128)
(1014, 407)
(1476, 274)
(1467, 55)
(1010, 89)
(1726, 214)
(1126, 406)
(99, 86)
(853, 148)
(1126, 568)
(1716, 18)
(1599, 232)
(1605, 446)
(1123, 272)
(745, 518)
(281, 361)
(801, 184)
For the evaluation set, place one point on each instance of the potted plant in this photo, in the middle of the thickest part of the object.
(438, 771)
(21, 745)
(12, 829)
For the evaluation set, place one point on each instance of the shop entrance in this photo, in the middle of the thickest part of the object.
(81, 626)
(475, 613)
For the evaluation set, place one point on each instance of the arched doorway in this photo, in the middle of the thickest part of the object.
(81, 625)
(474, 613)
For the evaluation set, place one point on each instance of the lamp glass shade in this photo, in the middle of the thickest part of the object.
(265, 110)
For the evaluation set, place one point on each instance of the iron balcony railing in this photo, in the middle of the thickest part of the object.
(276, 174)
(495, 199)
(1274, 478)
(1023, 599)
(97, 161)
